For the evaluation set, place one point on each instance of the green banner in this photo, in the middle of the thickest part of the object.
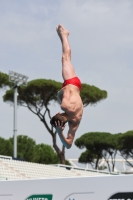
(40, 197)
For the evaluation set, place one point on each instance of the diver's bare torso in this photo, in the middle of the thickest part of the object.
(71, 103)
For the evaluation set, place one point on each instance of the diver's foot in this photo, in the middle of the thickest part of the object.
(62, 31)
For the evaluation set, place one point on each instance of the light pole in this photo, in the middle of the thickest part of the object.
(17, 79)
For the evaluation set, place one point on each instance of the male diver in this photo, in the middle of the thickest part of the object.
(69, 95)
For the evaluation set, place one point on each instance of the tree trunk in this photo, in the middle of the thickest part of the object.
(60, 153)
(97, 161)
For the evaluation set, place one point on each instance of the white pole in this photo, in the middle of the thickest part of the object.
(15, 121)
(18, 79)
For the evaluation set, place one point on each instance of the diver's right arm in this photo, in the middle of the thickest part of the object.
(66, 141)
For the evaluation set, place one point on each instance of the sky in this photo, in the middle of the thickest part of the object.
(101, 40)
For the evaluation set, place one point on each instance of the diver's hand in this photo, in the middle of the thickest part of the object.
(59, 126)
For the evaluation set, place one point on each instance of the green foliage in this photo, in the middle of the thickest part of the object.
(5, 147)
(25, 147)
(9, 98)
(125, 141)
(37, 93)
(93, 140)
(98, 145)
(45, 154)
(91, 94)
(67, 162)
(4, 80)
(28, 150)
(87, 157)
(91, 157)
(125, 146)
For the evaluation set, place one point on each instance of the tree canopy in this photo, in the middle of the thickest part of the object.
(5, 147)
(98, 145)
(125, 146)
(45, 154)
(4, 80)
(25, 147)
(90, 157)
(28, 150)
(38, 96)
(91, 94)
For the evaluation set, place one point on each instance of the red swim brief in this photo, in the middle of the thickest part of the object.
(74, 81)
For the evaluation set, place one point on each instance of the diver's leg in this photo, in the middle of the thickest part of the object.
(67, 68)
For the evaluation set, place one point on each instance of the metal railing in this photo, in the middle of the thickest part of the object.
(121, 166)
